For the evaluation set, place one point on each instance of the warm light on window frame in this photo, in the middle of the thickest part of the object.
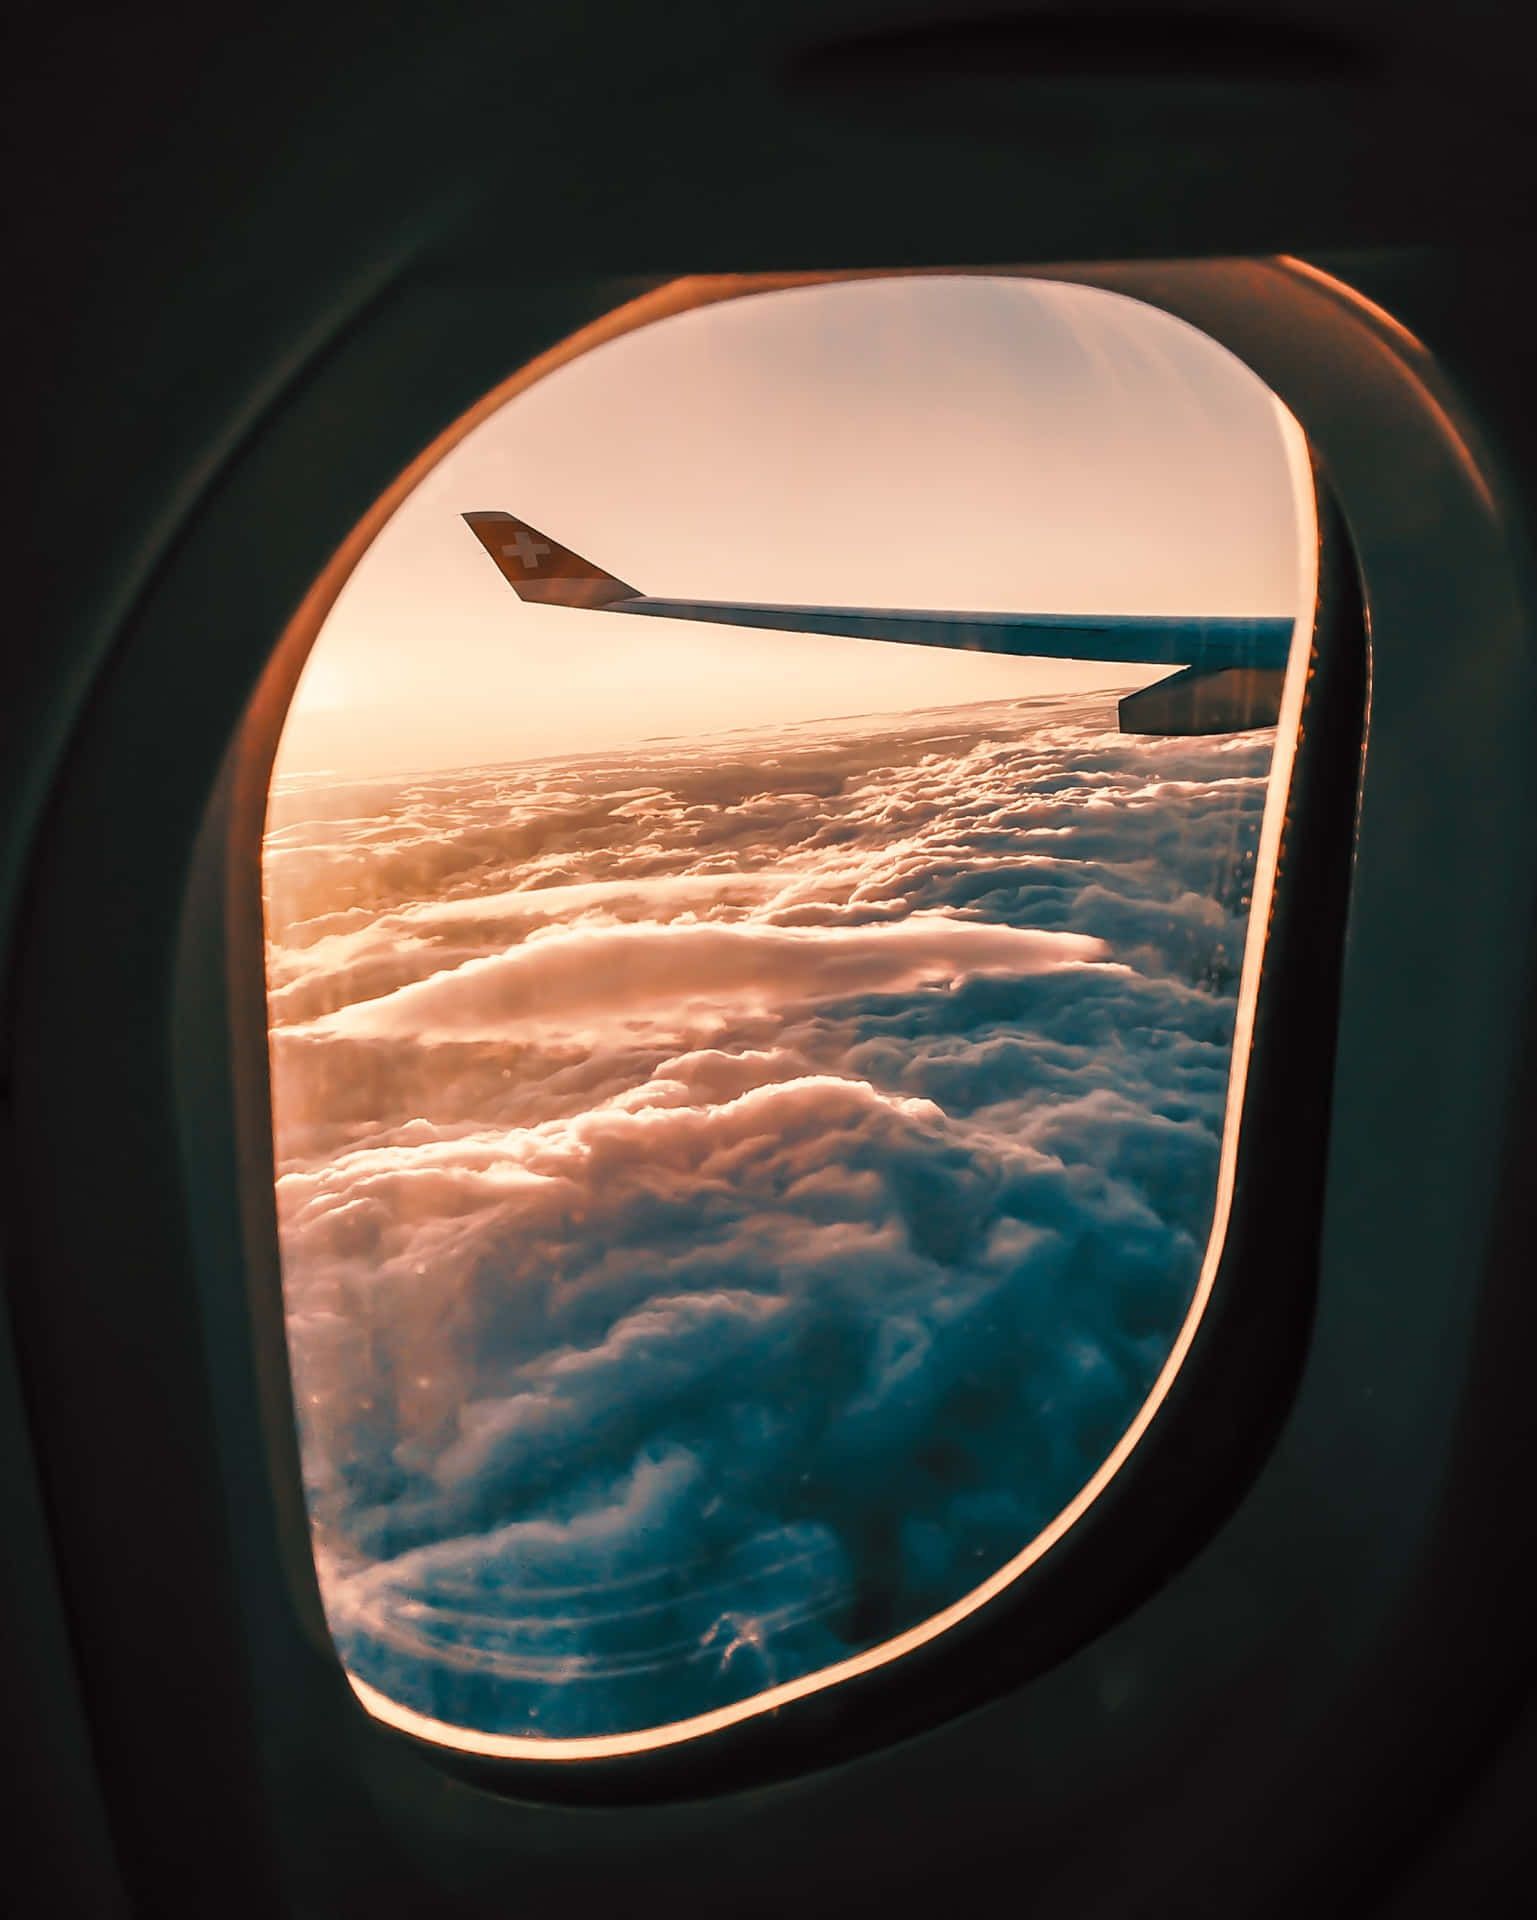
(678, 297)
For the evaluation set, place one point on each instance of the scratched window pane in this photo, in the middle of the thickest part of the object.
(757, 884)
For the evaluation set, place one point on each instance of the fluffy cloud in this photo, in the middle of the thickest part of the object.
(732, 1198)
(675, 974)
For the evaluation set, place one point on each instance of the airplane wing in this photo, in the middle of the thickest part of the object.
(1233, 666)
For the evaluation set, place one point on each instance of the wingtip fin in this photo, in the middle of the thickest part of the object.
(540, 569)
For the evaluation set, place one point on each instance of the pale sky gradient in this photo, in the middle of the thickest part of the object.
(970, 442)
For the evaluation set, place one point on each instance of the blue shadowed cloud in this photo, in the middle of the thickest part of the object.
(733, 1195)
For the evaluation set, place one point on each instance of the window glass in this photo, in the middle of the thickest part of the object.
(749, 1082)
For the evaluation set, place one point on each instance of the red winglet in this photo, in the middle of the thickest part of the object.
(540, 569)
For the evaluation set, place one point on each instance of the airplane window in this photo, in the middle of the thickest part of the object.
(760, 883)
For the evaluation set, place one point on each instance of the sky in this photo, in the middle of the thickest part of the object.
(972, 442)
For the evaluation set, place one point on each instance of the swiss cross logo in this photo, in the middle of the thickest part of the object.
(527, 549)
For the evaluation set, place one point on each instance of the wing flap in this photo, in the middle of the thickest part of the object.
(1206, 700)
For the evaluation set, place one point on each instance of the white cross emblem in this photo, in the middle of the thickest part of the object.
(527, 549)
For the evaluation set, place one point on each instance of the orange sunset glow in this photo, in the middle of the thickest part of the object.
(975, 442)
(755, 1111)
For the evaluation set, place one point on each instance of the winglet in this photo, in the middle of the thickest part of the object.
(539, 568)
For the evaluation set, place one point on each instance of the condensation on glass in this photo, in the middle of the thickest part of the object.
(752, 1093)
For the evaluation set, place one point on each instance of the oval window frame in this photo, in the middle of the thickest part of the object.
(1042, 1602)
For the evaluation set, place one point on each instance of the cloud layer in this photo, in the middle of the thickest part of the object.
(733, 1193)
